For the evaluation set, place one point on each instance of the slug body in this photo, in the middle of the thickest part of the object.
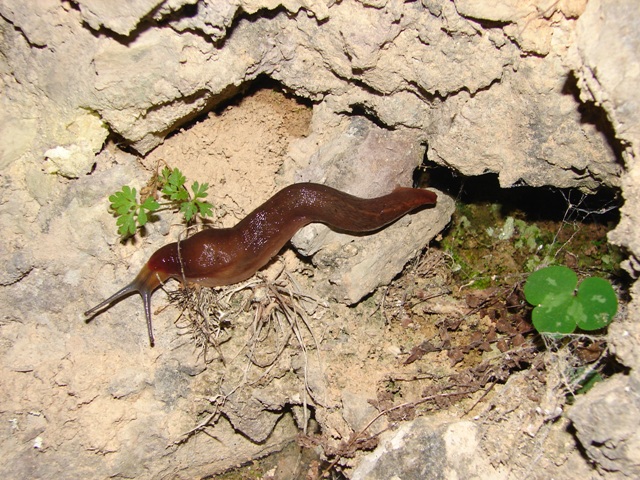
(225, 256)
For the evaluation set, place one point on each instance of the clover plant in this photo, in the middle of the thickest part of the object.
(561, 308)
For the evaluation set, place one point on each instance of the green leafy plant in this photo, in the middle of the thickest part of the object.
(132, 214)
(173, 188)
(561, 308)
(588, 380)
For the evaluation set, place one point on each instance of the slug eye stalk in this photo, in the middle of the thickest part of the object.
(145, 284)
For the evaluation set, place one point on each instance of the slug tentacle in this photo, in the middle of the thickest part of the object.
(224, 256)
(145, 283)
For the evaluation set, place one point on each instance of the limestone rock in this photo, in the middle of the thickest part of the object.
(367, 161)
(425, 448)
(77, 159)
(607, 421)
(120, 17)
(606, 418)
(535, 125)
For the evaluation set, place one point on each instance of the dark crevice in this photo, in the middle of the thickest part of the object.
(233, 96)
(262, 82)
(537, 203)
(216, 103)
(592, 114)
(241, 15)
(485, 24)
(360, 110)
(190, 11)
(119, 141)
(147, 22)
(425, 95)
(212, 102)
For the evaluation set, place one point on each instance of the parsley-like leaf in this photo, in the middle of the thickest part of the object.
(174, 188)
(131, 215)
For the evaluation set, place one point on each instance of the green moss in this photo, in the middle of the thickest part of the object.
(489, 248)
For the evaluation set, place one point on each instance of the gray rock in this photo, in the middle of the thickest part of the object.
(607, 422)
(485, 97)
(606, 419)
(426, 448)
(120, 17)
(366, 161)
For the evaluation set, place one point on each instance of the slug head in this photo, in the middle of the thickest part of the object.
(145, 284)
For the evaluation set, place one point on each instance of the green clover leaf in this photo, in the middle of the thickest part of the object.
(559, 308)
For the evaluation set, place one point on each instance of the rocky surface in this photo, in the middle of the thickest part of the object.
(607, 65)
(425, 449)
(537, 92)
(364, 160)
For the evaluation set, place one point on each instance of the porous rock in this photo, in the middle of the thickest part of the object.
(367, 161)
(606, 419)
(607, 422)
(120, 17)
(424, 448)
(489, 86)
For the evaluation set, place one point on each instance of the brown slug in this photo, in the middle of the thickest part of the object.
(223, 256)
